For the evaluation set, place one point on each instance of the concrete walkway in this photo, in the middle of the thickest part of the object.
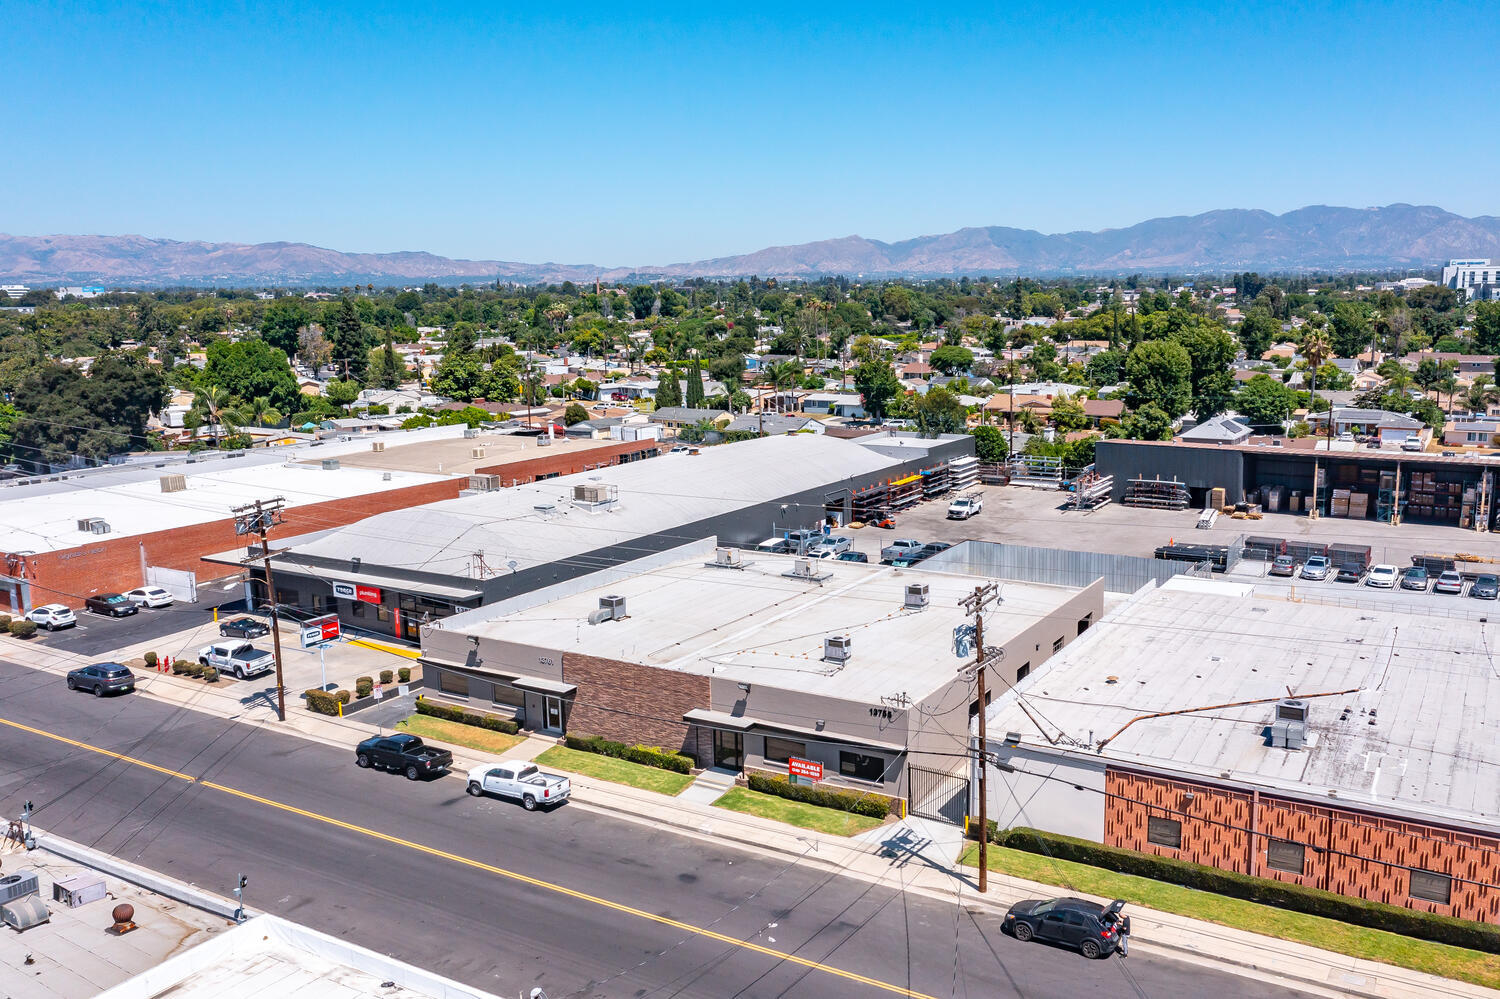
(914, 854)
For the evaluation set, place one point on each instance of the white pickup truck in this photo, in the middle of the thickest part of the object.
(965, 507)
(237, 659)
(900, 548)
(522, 780)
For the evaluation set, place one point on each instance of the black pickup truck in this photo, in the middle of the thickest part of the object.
(404, 754)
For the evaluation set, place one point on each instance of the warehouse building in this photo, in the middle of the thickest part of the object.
(389, 574)
(745, 661)
(1169, 729)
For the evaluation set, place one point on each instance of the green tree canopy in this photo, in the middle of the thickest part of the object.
(574, 414)
(938, 411)
(1264, 401)
(990, 444)
(282, 323)
(878, 385)
(1160, 373)
(250, 368)
(1257, 332)
(951, 360)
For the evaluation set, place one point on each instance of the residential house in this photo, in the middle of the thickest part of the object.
(676, 418)
(1390, 428)
(772, 424)
(1473, 430)
(848, 405)
(1221, 429)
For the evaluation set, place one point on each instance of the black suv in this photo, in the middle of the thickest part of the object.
(1094, 930)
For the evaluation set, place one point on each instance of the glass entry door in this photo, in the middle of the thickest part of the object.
(552, 713)
(729, 750)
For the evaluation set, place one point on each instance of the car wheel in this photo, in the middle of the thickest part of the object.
(412, 773)
(72, 683)
(529, 803)
(362, 760)
(475, 789)
(202, 661)
(98, 690)
(51, 627)
(1023, 932)
(1089, 949)
(239, 672)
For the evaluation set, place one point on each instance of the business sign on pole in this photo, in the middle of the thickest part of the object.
(352, 591)
(319, 630)
(809, 769)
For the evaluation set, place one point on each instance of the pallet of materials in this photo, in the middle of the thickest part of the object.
(1263, 548)
(1156, 494)
(1217, 555)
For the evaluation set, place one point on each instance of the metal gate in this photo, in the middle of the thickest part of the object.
(936, 795)
(182, 584)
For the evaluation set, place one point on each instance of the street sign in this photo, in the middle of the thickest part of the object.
(804, 768)
(377, 691)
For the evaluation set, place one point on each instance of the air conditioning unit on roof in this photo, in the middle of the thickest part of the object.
(19, 885)
(471, 432)
(916, 596)
(377, 446)
(476, 452)
(729, 557)
(837, 648)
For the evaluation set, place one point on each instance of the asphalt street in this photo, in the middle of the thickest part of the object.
(579, 903)
(98, 635)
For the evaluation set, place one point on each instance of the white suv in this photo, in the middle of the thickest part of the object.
(149, 596)
(52, 617)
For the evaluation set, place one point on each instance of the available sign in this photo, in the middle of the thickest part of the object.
(350, 591)
(804, 768)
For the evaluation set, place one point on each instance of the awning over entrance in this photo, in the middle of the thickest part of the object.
(543, 686)
(740, 723)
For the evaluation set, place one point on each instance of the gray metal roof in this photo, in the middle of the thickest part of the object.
(1223, 428)
(1427, 682)
(770, 423)
(685, 414)
(538, 523)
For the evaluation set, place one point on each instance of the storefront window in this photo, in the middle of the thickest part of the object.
(862, 767)
(781, 750)
(455, 684)
(504, 693)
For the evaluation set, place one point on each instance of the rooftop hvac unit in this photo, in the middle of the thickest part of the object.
(377, 446)
(470, 433)
(79, 890)
(916, 596)
(24, 913)
(836, 648)
(330, 464)
(611, 608)
(476, 452)
(19, 885)
(727, 557)
(173, 483)
(90, 525)
(385, 476)
(1289, 728)
(1291, 709)
(484, 483)
(593, 494)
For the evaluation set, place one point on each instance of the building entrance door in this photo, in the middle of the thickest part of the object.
(729, 750)
(552, 713)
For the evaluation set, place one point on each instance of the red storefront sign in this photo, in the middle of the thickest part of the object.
(804, 768)
(327, 625)
(369, 594)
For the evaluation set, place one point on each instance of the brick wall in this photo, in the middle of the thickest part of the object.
(631, 703)
(563, 462)
(1349, 852)
(113, 564)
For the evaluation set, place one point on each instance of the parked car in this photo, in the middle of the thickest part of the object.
(149, 596)
(680, 449)
(933, 548)
(52, 617)
(1348, 573)
(901, 548)
(1414, 578)
(1412, 444)
(1449, 582)
(112, 604)
(1450, 454)
(402, 753)
(1486, 587)
(802, 540)
(102, 678)
(965, 507)
(238, 659)
(1382, 576)
(853, 557)
(243, 627)
(835, 544)
(822, 553)
(1284, 565)
(521, 781)
(1095, 930)
(1346, 436)
(1316, 567)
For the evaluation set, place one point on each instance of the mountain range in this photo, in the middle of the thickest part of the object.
(1319, 238)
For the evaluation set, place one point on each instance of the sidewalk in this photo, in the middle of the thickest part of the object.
(908, 855)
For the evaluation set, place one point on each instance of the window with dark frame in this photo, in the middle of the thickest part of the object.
(1282, 855)
(1023, 671)
(1084, 622)
(1164, 831)
(862, 767)
(1057, 645)
(1430, 886)
(504, 693)
(781, 750)
(455, 684)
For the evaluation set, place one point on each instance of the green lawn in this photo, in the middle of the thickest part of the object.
(459, 734)
(796, 813)
(1329, 934)
(613, 770)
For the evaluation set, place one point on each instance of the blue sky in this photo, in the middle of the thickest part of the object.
(615, 135)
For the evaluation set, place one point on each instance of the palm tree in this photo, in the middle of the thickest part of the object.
(780, 376)
(1480, 394)
(214, 407)
(1315, 350)
(262, 413)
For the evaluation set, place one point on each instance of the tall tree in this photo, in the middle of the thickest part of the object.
(878, 385)
(694, 397)
(1257, 332)
(350, 344)
(1160, 372)
(282, 323)
(668, 389)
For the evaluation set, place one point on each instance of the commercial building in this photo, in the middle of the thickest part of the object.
(745, 661)
(1473, 278)
(390, 573)
(1336, 746)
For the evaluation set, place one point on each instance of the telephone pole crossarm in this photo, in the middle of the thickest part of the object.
(975, 604)
(258, 518)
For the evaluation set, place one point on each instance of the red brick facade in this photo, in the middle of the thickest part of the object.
(1348, 852)
(631, 703)
(565, 462)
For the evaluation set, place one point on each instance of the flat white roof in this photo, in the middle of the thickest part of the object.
(757, 624)
(1418, 733)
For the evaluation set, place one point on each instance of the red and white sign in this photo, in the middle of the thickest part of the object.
(804, 768)
(379, 691)
(349, 591)
(327, 625)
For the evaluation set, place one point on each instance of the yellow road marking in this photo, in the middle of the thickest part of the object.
(491, 869)
(395, 650)
(103, 752)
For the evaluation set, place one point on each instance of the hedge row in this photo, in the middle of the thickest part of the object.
(649, 756)
(21, 628)
(186, 667)
(1266, 891)
(325, 703)
(874, 805)
(454, 714)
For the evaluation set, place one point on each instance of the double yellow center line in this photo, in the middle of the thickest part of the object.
(628, 910)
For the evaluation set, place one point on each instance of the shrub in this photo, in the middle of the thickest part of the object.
(180, 666)
(649, 756)
(210, 674)
(322, 702)
(364, 687)
(1282, 894)
(196, 669)
(5, 620)
(876, 806)
(344, 696)
(22, 628)
(404, 674)
(151, 660)
(455, 714)
(386, 676)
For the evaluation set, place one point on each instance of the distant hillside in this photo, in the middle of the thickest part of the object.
(1314, 238)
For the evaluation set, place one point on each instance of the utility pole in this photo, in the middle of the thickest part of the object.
(258, 518)
(974, 604)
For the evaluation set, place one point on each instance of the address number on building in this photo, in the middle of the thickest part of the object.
(810, 769)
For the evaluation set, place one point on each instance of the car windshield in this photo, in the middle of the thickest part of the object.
(1486, 581)
(116, 674)
(116, 599)
(1044, 907)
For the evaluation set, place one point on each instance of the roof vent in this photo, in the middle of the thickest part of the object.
(1289, 727)
(330, 464)
(93, 525)
(476, 452)
(173, 483)
(377, 446)
(611, 608)
(916, 596)
(385, 476)
(837, 648)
